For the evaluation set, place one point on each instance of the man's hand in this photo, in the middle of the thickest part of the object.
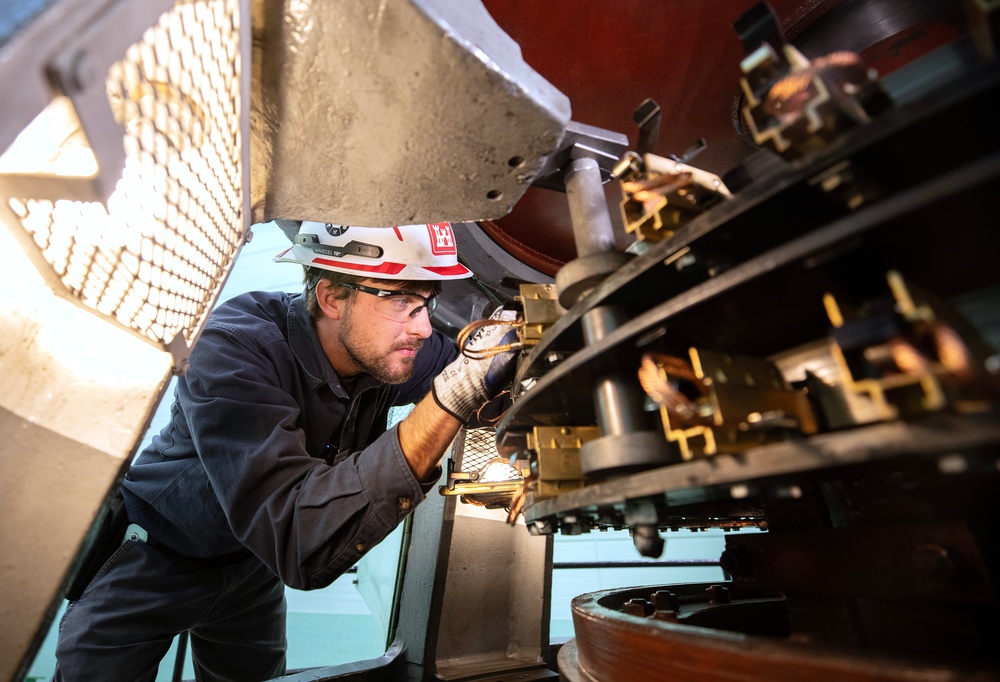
(480, 373)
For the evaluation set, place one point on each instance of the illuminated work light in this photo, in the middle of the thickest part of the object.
(153, 255)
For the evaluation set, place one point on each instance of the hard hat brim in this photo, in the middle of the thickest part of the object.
(385, 270)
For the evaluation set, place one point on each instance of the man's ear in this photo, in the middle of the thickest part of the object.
(331, 306)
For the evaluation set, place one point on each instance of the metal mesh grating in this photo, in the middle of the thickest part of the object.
(479, 448)
(485, 476)
(155, 259)
(479, 454)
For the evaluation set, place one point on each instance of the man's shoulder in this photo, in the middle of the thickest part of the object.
(252, 306)
(260, 315)
(256, 301)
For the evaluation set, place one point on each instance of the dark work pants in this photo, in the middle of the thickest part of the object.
(124, 622)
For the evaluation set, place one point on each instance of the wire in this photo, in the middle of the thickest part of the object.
(483, 353)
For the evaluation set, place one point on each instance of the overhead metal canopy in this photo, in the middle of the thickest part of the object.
(393, 112)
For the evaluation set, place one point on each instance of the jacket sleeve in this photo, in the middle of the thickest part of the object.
(307, 520)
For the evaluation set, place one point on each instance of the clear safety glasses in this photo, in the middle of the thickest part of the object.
(401, 306)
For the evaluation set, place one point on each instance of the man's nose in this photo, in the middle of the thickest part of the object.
(420, 324)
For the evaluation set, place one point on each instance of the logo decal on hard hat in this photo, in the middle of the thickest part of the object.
(412, 252)
(442, 239)
(336, 230)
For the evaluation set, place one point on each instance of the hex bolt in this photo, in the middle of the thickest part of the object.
(665, 600)
(717, 594)
(638, 607)
(670, 616)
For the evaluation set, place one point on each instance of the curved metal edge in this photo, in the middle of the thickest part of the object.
(569, 664)
(715, 217)
(938, 433)
(617, 647)
(773, 178)
(389, 667)
(489, 260)
(616, 452)
(975, 173)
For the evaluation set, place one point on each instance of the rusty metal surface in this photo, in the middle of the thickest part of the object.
(393, 112)
(615, 646)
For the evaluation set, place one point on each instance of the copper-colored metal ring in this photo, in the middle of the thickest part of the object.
(614, 646)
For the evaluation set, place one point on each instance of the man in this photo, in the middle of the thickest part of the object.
(276, 467)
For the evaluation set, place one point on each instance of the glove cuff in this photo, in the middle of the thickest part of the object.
(446, 408)
(451, 398)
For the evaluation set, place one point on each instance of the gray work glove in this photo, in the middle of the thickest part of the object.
(468, 383)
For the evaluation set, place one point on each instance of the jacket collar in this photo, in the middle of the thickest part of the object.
(305, 345)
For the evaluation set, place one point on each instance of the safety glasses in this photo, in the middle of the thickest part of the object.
(400, 306)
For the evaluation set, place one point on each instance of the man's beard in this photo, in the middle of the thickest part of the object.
(381, 367)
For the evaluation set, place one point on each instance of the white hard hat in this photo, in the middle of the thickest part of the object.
(412, 252)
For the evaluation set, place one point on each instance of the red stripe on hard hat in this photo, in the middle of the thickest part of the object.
(448, 270)
(384, 269)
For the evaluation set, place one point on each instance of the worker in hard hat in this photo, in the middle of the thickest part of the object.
(276, 467)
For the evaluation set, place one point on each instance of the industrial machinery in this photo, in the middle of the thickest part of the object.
(803, 350)
(796, 346)
(756, 276)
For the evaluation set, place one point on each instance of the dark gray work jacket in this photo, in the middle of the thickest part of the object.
(266, 450)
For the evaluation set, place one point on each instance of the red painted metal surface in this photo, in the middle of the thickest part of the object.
(610, 56)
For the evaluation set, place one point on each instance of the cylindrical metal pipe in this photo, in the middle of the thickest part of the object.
(601, 321)
(619, 406)
(617, 399)
(588, 208)
(625, 439)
